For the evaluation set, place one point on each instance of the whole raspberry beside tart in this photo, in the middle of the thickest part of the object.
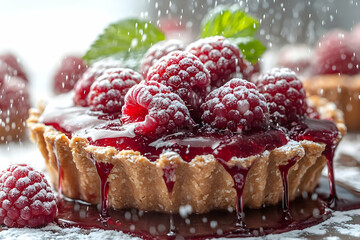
(26, 198)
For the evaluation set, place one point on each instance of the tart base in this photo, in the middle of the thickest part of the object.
(202, 183)
(343, 90)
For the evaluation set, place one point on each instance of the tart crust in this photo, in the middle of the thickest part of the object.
(202, 183)
(343, 90)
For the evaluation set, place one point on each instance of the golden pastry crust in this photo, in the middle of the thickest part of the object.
(202, 183)
(343, 90)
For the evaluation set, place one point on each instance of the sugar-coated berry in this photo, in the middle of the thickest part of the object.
(285, 95)
(184, 74)
(82, 87)
(157, 51)
(237, 106)
(221, 57)
(107, 93)
(26, 198)
(69, 72)
(155, 110)
(15, 64)
(335, 54)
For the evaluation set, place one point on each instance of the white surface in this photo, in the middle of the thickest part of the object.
(40, 32)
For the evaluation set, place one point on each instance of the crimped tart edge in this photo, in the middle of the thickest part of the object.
(202, 183)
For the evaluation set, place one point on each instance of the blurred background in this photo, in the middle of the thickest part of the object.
(41, 33)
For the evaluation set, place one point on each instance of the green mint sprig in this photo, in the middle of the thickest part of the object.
(236, 25)
(125, 40)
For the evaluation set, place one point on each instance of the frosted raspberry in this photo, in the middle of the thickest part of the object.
(335, 54)
(68, 74)
(157, 51)
(220, 57)
(15, 64)
(185, 75)
(5, 71)
(82, 87)
(285, 95)
(26, 198)
(14, 98)
(237, 106)
(155, 110)
(107, 93)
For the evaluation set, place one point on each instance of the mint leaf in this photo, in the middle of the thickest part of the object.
(126, 40)
(235, 24)
(251, 47)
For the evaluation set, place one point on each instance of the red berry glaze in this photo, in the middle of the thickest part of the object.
(157, 51)
(107, 93)
(220, 57)
(155, 110)
(237, 106)
(68, 74)
(26, 198)
(82, 87)
(285, 95)
(336, 54)
(185, 75)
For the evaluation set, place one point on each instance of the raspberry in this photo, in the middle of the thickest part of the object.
(185, 75)
(15, 64)
(157, 51)
(82, 87)
(108, 91)
(68, 74)
(5, 72)
(26, 198)
(336, 54)
(155, 110)
(14, 98)
(220, 57)
(285, 95)
(237, 106)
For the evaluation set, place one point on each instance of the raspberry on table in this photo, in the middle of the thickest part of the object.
(335, 53)
(155, 110)
(82, 87)
(237, 106)
(157, 51)
(184, 74)
(26, 198)
(15, 64)
(107, 93)
(221, 57)
(285, 95)
(68, 74)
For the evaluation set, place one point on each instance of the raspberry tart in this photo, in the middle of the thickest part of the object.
(332, 71)
(189, 130)
(154, 157)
